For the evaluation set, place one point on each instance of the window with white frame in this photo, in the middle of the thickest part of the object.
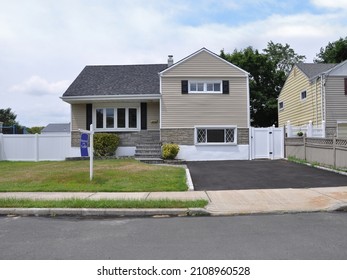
(116, 118)
(216, 135)
(205, 86)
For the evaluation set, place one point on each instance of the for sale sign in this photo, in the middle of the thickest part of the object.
(84, 144)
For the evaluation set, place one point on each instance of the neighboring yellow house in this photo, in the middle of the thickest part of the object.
(315, 92)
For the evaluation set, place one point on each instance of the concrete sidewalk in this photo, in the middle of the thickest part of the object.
(234, 202)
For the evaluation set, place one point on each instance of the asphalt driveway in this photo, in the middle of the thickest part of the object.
(260, 174)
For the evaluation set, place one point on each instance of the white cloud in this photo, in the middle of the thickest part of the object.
(36, 85)
(335, 4)
(56, 39)
(36, 101)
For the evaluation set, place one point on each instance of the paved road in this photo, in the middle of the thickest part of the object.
(291, 236)
(260, 174)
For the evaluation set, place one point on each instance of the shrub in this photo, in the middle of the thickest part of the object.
(170, 151)
(105, 144)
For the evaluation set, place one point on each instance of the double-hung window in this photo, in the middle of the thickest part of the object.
(205, 86)
(215, 135)
(116, 118)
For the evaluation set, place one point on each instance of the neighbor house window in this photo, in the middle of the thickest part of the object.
(303, 95)
(116, 118)
(205, 87)
(216, 135)
(281, 105)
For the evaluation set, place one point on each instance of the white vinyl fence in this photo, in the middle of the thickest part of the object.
(308, 129)
(35, 147)
(267, 142)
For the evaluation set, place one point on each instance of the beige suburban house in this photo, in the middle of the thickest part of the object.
(316, 93)
(200, 103)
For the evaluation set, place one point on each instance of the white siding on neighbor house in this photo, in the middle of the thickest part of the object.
(78, 116)
(297, 111)
(336, 101)
(204, 64)
(188, 110)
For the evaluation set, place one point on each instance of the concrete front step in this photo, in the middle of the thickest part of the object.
(154, 160)
(148, 151)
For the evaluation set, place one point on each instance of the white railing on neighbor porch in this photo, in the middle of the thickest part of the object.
(317, 131)
(35, 147)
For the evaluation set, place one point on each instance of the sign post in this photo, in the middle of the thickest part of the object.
(84, 147)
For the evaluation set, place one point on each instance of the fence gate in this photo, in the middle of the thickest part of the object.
(267, 143)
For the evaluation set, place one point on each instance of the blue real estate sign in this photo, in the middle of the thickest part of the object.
(84, 144)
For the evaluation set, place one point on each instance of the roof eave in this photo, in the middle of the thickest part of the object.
(101, 98)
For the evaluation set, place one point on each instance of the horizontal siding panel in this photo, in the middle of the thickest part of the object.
(153, 115)
(297, 111)
(336, 101)
(78, 116)
(204, 64)
(188, 110)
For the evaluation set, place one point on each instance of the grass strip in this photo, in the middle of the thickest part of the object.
(102, 203)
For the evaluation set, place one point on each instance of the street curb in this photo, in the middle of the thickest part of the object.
(104, 212)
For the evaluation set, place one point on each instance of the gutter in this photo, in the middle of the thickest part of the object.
(89, 98)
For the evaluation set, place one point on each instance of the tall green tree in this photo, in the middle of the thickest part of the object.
(8, 117)
(334, 52)
(263, 83)
(268, 72)
(283, 56)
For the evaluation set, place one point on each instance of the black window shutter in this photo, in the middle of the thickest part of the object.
(143, 116)
(184, 86)
(225, 87)
(345, 86)
(89, 115)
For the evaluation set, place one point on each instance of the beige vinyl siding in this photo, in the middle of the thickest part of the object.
(188, 110)
(298, 111)
(153, 117)
(78, 116)
(204, 64)
(336, 101)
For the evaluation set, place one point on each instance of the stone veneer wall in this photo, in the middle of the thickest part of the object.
(180, 136)
(185, 136)
(127, 139)
(243, 136)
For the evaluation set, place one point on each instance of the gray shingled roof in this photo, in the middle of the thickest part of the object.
(117, 80)
(313, 69)
(56, 127)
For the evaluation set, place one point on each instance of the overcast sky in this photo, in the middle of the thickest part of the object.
(45, 44)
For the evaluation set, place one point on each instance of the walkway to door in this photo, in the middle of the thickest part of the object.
(260, 174)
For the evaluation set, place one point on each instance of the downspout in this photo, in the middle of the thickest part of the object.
(322, 97)
(316, 101)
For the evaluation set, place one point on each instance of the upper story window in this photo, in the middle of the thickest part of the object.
(205, 87)
(117, 118)
(303, 95)
(200, 86)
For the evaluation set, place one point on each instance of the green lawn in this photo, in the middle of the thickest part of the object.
(125, 175)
